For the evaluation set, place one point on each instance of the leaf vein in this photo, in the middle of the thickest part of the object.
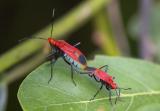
(130, 104)
(100, 99)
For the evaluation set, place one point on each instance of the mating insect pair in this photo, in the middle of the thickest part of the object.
(76, 59)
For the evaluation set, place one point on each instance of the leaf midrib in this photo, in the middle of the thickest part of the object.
(100, 99)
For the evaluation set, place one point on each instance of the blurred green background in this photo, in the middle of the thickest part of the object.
(117, 28)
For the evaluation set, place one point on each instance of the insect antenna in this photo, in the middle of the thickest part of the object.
(51, 62)
(118, 92)
(125, 88)
(26, 38)
(52, 22)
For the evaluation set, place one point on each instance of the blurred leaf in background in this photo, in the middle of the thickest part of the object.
(154, 29)
(3, 97)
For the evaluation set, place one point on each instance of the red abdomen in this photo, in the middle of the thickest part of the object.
(72, 52)
(106, 78)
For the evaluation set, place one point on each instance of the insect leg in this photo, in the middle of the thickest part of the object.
(119, 92)
(110, 96)
(72, 75)
(117, 96)
(90, 73)
(52, 64)
(105, 66)
(52, 22)
(52, 54)
(97, 91)
(96, 79)
(53, 58)
(72, 69)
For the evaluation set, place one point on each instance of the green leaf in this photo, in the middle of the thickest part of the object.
(35, 94)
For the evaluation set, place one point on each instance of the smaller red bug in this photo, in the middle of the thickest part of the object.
(106, 80)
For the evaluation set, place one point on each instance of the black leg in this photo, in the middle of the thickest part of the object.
(96, 79)
(110, 97)
(87, 72)
(90, 73)
(52, 64)
(84, 72)
(106, 67)
(71, 70)
(117, 96)
(52, 54)
(72, 75)
(97, 92)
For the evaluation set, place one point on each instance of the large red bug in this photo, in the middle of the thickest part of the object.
(71, 55)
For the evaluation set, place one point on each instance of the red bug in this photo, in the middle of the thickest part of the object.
(106, 80)
(72, 55)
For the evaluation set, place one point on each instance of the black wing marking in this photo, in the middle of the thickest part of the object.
(82, 59)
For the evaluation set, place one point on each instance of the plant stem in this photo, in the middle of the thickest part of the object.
(78, 16)
(115, 18)
(23, 68)
(105, 35)
(18, 53)
(147, 48)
